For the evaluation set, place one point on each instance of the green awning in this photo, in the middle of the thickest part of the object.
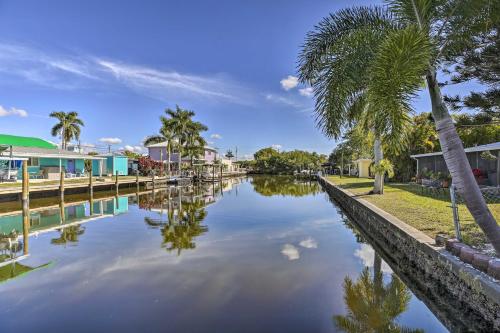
(24, 141)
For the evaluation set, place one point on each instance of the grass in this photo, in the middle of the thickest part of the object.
(427, 212)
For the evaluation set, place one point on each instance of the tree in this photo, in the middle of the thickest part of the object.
(167, 135)
(187, 132)
(229, 154)
(433, 33)
(336, 60)
(478, 62)
(423, 35)
(194, 144)
(67, 128)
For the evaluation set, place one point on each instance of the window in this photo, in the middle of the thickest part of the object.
(33, 161)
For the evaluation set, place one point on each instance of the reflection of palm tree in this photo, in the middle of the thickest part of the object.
(179, 235)
(68, 234)
(372, 307)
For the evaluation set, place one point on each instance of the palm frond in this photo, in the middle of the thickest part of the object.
(396, 75)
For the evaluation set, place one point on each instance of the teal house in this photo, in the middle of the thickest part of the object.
(111, 165)
(45, 160)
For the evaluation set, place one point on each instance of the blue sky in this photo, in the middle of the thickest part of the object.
(119, 64)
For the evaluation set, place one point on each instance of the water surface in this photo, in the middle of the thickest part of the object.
(265, 254)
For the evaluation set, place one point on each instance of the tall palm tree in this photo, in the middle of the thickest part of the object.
(424, 35)
(336, 60)
(68, 126)
(438, 31)
(167, 135)
(194, 142)
(181, 121)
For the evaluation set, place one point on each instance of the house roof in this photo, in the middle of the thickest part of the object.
(490, 146)
(50, 153)
(25, 141)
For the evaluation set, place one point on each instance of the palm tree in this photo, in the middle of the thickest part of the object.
(438, 31)
(166, 135)
(181, 122)
(195, 143)
(424, 35)
(336, 60)
(68, 126)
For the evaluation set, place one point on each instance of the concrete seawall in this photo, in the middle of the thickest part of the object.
(461, 296)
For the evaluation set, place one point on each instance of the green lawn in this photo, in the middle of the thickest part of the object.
(427, 212)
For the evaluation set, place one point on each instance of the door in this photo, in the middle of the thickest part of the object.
(71, 166)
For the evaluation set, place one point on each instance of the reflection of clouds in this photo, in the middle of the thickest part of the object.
(290, 251)
(367, 254)
(309, 243)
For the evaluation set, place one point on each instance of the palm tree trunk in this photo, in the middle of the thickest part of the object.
(378, 185)
(458, 165)
(168, 158)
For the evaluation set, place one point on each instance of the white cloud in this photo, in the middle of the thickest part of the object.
(290, 251)
(12, 112)
(110, 141)
(308, 92)
(276, 146)
(134, 149)
(367, 254)
(216, 136)
(76, 71)
(309, 243)
(289, 82)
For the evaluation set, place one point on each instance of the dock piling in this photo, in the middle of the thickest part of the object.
(26, 188)
(137, 180)
(116, 182)
(61, 185)
(91, 182)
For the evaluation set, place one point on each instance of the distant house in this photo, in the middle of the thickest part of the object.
(158, 152)
(489, 168)
(45, 160)
(112, 164)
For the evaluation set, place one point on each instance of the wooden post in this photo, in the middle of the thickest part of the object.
(116, 182)
(26, 187)
(91, 181)
(61, 185)
(26, 228)
(213, 173)
(153, 181)
(91, 203)
(221, 166)
(137, 180)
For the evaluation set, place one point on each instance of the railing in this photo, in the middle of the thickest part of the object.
(491, 195)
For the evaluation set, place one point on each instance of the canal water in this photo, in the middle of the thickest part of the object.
(263, 254)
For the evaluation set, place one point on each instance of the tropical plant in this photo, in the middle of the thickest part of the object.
(337, 60)
(382, 168)
(425, 35)
(68, 127)
(229, 154)
(167, 135)
(435, 32)
(194, 143)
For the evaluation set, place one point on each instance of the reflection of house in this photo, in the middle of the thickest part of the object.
(158, 152)
(45, 160)
(48, 219)
(489, 167)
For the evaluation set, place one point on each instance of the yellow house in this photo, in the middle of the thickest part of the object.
(363, 165)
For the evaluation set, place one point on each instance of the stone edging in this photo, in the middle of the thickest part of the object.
(401, 242)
